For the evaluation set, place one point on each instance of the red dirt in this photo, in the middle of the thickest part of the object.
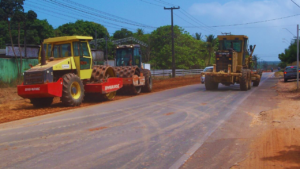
(168, 114)
(13, 107)
(278, 144)
(98, 128)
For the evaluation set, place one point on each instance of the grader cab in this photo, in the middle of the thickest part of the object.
(233, 64)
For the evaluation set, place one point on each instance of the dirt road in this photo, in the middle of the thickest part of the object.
(208, 129)
(13, 107)
(277, 145)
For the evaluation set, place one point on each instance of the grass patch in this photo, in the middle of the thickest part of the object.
(278, 74)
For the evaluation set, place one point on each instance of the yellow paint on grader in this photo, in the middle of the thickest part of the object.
(233, 64)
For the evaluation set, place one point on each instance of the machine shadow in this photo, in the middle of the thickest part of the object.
(292, 155)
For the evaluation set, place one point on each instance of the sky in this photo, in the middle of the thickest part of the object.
(269, 24)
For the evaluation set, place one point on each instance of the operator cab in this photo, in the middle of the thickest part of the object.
(128, 55)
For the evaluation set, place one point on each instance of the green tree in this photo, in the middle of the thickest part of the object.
(123, 33)
(29, 18)
(80, 27)
(189, 52)
(290, 54)
(8, 10)
(38, 31)
(212, 45)
(198, 36)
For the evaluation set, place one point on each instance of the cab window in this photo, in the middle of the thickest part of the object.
(80, 49)
(228, 44)
(136, 57)
(49, 51)
(62, 50)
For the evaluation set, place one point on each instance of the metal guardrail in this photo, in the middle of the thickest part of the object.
(178, 72)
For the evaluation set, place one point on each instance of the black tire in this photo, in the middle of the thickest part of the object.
(148, 81)
(285, 80)
(244, 80)
(73, 90)
(41, 102)
(249, 78)
(256, 83)
(210, 84)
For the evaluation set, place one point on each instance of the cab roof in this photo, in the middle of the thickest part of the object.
(232, 37)
(67, 38)
(128, 46)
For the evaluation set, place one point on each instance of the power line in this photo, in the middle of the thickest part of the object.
(63, 14)
(269, 20)
(295, 3)
(96, 14)
(189, 16)
(188, 22)
(151, 3)
(289, 31)
(105, 13)
(206, 29)
(193, 19)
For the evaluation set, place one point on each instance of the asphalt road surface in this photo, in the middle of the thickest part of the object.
(158, 130)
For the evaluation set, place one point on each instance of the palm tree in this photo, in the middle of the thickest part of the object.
(198, 36)
(139, 32)
(210, 45)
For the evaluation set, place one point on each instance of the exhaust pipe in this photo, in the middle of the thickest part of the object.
(43, 57)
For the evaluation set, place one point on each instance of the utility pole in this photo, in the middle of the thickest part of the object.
(297, 57)
(106, 38)
(96, 39)
(173, 55)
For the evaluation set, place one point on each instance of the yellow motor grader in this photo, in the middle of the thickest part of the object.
(233, 64)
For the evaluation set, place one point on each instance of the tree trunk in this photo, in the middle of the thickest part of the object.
(12, 44)
(21, 61)
(25, 43)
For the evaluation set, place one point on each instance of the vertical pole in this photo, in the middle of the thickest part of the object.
(297, 56)
(96, 39)
(173, 53)
(106, 50)
(173, 57)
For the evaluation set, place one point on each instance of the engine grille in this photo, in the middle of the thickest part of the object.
(33, 78)
(38, 76)
(222, 64)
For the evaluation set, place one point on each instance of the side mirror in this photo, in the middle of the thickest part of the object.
(251, 48)
(140, 51)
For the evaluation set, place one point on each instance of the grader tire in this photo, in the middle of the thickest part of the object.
(244, 80)
(256, 83)
(99, 74)
(210, 84)
(148, 81)
(41, 102)
(73, 90)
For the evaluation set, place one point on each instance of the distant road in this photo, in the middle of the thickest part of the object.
(159, 130)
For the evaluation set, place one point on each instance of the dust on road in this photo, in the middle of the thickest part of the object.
(13, 107)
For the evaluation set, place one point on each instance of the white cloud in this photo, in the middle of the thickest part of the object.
(242, 11)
